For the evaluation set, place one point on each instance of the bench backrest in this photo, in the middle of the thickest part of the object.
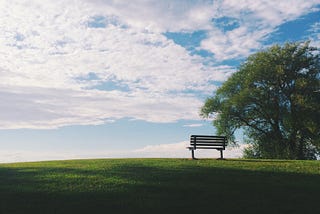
(208, 142)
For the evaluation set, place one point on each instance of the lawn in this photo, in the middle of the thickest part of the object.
(160, 186)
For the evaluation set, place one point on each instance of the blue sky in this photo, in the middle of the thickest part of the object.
(99, 78)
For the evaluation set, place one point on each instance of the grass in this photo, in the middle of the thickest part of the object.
(160, 186)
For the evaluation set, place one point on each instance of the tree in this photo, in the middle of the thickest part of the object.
(275, 99)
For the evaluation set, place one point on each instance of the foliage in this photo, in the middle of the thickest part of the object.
(275, 99)
(160, 186)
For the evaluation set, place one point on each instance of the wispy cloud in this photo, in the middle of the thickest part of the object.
(42, 108)
(255, 21)
(173, 150)
(179, 150)
(193, 125)
(314, 37)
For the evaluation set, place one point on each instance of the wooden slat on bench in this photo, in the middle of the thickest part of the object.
(208, 141)
(208, 144)
(199, 140)
(218, 148)
(212, 139)
(206, 137)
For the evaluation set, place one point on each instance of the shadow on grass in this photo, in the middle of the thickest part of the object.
(138, 188)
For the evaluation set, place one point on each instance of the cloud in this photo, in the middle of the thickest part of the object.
(158, 16)
(58, 60)
(173, 150)
(44, 108)
(314, 37)
(193, 125)
(178, 150)
(65, 63)
(255, 21)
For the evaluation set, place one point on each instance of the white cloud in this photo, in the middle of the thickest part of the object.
(257, 19)
(314, 37)
(193, 125)
(159, 16)
(173, 150)
(48, 49)
(52, 108)
(179, 150)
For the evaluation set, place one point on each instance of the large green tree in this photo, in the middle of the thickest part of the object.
(275, 99)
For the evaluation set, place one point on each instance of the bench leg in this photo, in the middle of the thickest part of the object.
(221, 154)
(192, 153)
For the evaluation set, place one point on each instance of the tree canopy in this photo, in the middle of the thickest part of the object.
(275, 98)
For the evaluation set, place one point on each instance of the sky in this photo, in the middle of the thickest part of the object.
(117, 79)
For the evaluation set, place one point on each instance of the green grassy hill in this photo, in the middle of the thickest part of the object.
(160, 186)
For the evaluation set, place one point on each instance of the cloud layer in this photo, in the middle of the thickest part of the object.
(90, 62)
(173, 150)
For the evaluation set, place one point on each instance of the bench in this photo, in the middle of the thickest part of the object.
(207, 142)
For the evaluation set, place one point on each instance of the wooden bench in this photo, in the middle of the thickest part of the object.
(207, 142)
